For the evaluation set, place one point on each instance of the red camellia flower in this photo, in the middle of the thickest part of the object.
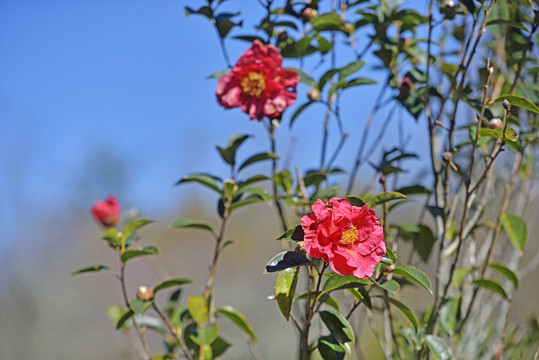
(258, 84)
(349, 238)
(107, 212)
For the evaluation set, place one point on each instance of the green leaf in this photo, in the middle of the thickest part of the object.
(518, 101)
(285, 260)
(385, 197)
(184, 223)
(124, 318)
(415, 275)
(304, 77)
(285, 287)
(298, 111)
(132, 226)
(329, 21)
(237, 318)
(112, 237)
(92, 268)
(339, 328)
(338, 282)
(405, 310)
(424, 242)
(414, 190)
(202, 179)
(341, 85)
(219, 74)
(438, 347)
(131, 253)
(516, 230)
(390, 285)
(139, 306)
(170, 283)
(206, 335)
(505, 271)
(283, 180)
(491, 285)
(460, 274)
(256, 158)
(252, 180)
(247, 201)
(330, 349)
(351, 68)
(218, 347)
(355, 201)
(229, 153)
(469, 5)
(294, 233)
(450, 315)
(510, 134)
(362, 295)
(198, 309)
(508, 23)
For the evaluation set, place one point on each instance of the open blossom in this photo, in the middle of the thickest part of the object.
(258, 84)
(349, 238)
(107, 212)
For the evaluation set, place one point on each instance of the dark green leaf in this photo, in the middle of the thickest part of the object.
(170, 283)
(424, 242)
(237, 318)
(285, 260)
(252, 180)
(469, 5)
(285, 286)
(294, 233)
(351, 68)
(385, 197)
(341, 85)
(362, 295)
(519, 101)
(256, 158)
(229, 154)
(124, 318)
(516, 230)
(438, 346)
(330, 349)
(304, 77)
(198, 309)
(355, 201)
(508, 23)
(415, 275)
(131, 253)
(299, 111)
(131, 228)
(339, 328)
(184, 223)
(338, 282)
(92, 268)
(405, 310)
(505, 271)
(283, 180)
(204, 10)
(491, 285)
(414, 190)
(205, 180)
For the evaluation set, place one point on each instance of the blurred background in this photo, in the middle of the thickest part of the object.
(112, 97)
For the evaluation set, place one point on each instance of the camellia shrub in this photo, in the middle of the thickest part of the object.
(466, 73)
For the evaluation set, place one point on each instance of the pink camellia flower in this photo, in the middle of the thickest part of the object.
(258, 84)
(349, 238)
(107, 212)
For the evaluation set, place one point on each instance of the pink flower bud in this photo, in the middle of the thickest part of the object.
(144, 293)
(404, 86)
(495, 123)
(314, 94)
(107, 212)
(308, 14)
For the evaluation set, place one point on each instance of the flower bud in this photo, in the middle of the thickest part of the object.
(506, 105)
(349, 27)
(388, 269)
(382, 179)
(107, 212)
(282, 35)
(144, 293)
(314, 94)
(300, 248)
(309, 14)
(404, 86)
(447, 156)
(495, 123)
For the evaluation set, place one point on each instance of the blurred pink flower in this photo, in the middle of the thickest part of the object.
(349, 238)
(107, 212)
(258, 84)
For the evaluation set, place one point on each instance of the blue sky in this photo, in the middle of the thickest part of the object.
(129, 77)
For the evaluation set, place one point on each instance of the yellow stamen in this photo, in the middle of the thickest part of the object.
(349, 236)
(253, 84)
